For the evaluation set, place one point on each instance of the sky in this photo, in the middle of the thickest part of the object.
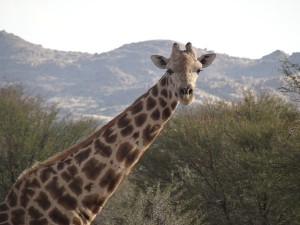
(242, 28)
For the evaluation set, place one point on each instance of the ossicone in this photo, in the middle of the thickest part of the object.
(189, 49)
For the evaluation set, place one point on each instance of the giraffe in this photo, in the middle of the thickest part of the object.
(72, 186)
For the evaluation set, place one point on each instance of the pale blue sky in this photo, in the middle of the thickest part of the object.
(244, 28)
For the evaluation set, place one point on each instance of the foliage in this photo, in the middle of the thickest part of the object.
(220, 163)
(238, 163)
(30, 131)
(291, 72)
(153, 206)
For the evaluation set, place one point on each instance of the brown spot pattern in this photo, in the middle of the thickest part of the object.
(76, 185)
(34, 213)
(17, 216)
(68, 202)
(60, 165)
(164, 93)
(66, 176)
(68, 161)
(155, 115)
(136, 135)
(147, 138)
(166, 113)
(57, 217)
(69, 173)
(46, 173)
(54, 188)
(92, 168)
(34, 183)
(162, 102)
(109, 137)
(123, 151)
(149, 133)
(140, 119)
(3, 207)
(102, 149)
(138, 107)
(110, 180)
(150, 104)
(41, 221)
(123, 121)
(82, 155)
(89, 187)
(163, 82)
(26, 194)
(154, 91)
(72, 170)
(173, 105)
(127, 131)
(93, 202)
(132, 157)
(3, 217)
(12, 198)
(43, 201)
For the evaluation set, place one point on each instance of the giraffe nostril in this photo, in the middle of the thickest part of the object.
(186, 91)
(182, 91)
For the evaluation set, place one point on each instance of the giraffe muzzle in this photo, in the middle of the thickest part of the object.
(186, 95)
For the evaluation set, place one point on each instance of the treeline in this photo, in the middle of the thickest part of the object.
(220, 163)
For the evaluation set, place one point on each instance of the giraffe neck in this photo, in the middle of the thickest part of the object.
(72, 187)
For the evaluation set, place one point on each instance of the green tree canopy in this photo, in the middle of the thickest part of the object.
(31, 131)
(237, 163)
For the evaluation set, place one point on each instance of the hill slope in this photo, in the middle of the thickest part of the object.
(104, 84)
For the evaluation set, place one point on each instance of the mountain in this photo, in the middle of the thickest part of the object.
(104, 84)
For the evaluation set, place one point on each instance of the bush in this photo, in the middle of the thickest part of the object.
(30, 131)
(153, 206)
(238, 163)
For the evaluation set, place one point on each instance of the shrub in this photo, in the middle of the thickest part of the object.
(30, 131)
(238, 163)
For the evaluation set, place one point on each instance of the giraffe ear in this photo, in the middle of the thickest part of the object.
(207, 59)
(160, 61)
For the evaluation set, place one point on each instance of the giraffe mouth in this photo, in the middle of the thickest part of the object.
(186, 99)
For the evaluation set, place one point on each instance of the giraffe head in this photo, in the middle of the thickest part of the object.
(183, 68)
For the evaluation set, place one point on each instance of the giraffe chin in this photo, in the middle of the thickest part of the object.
(186, 100)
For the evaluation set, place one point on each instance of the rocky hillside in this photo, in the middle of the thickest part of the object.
(104, 84)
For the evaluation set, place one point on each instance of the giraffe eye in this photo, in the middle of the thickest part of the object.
(199, 70)
(169, 71)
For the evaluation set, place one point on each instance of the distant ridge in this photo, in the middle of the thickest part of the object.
(103, 84)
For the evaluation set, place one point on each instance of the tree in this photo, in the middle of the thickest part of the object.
(31, 131)
(238, 163)
(291, 72)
